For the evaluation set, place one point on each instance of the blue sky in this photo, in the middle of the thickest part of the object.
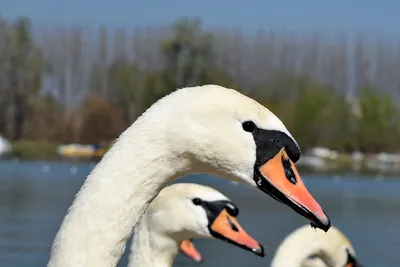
(353, 15)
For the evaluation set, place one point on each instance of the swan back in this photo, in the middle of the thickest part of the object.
(307, 247)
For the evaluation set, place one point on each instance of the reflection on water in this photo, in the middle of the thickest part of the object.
(35, 196)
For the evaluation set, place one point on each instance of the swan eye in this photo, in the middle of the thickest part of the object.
(196, 201)
(248, 126)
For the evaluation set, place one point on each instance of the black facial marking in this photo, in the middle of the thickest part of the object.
(352, 260)
(232, 209)
(214, 208)
(270, 142)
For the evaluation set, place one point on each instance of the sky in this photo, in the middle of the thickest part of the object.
(351, 15)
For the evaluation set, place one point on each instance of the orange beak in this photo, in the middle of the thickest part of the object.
(280, 179)
(189, 250)
(227, 228)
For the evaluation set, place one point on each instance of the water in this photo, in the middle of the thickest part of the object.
(35, 196)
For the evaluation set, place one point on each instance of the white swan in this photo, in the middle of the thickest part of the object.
(204, 129)
(306, 247)
(184, 211)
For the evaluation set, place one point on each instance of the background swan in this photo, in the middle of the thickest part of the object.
(204, 129)
(183, 211)
(306, 247)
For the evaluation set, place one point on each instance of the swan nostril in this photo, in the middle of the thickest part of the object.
(289, 173)
(232, 224)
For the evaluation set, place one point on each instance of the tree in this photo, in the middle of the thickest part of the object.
(309, 109)
(188, 53)
(125, 80)
(24, 74)
(378, 123)
(189, 60)
(101, 121)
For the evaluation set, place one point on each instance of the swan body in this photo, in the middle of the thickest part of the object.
(184, 211)
(306, 247)
(204, 129)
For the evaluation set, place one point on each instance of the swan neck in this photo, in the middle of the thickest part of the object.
(150, 248)
(114, 197)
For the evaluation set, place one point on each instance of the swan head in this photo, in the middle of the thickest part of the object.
(316, 248)
(351, 260)
(187, 248)
(335, 249)
(222, 132)
(341, 250)
(184, 211)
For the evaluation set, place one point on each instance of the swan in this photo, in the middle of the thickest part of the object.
(203, 129)
(306, 247)
(182, 211)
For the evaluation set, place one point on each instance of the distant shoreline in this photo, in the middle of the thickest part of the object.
(311, 172)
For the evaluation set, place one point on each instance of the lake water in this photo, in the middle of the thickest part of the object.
(34, 197)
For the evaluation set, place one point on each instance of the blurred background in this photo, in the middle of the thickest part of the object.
(74, 75)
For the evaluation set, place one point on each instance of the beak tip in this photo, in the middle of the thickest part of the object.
(260, 251)
(324, 223)
(327, 223)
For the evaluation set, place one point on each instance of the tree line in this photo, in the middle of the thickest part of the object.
(76, 84)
